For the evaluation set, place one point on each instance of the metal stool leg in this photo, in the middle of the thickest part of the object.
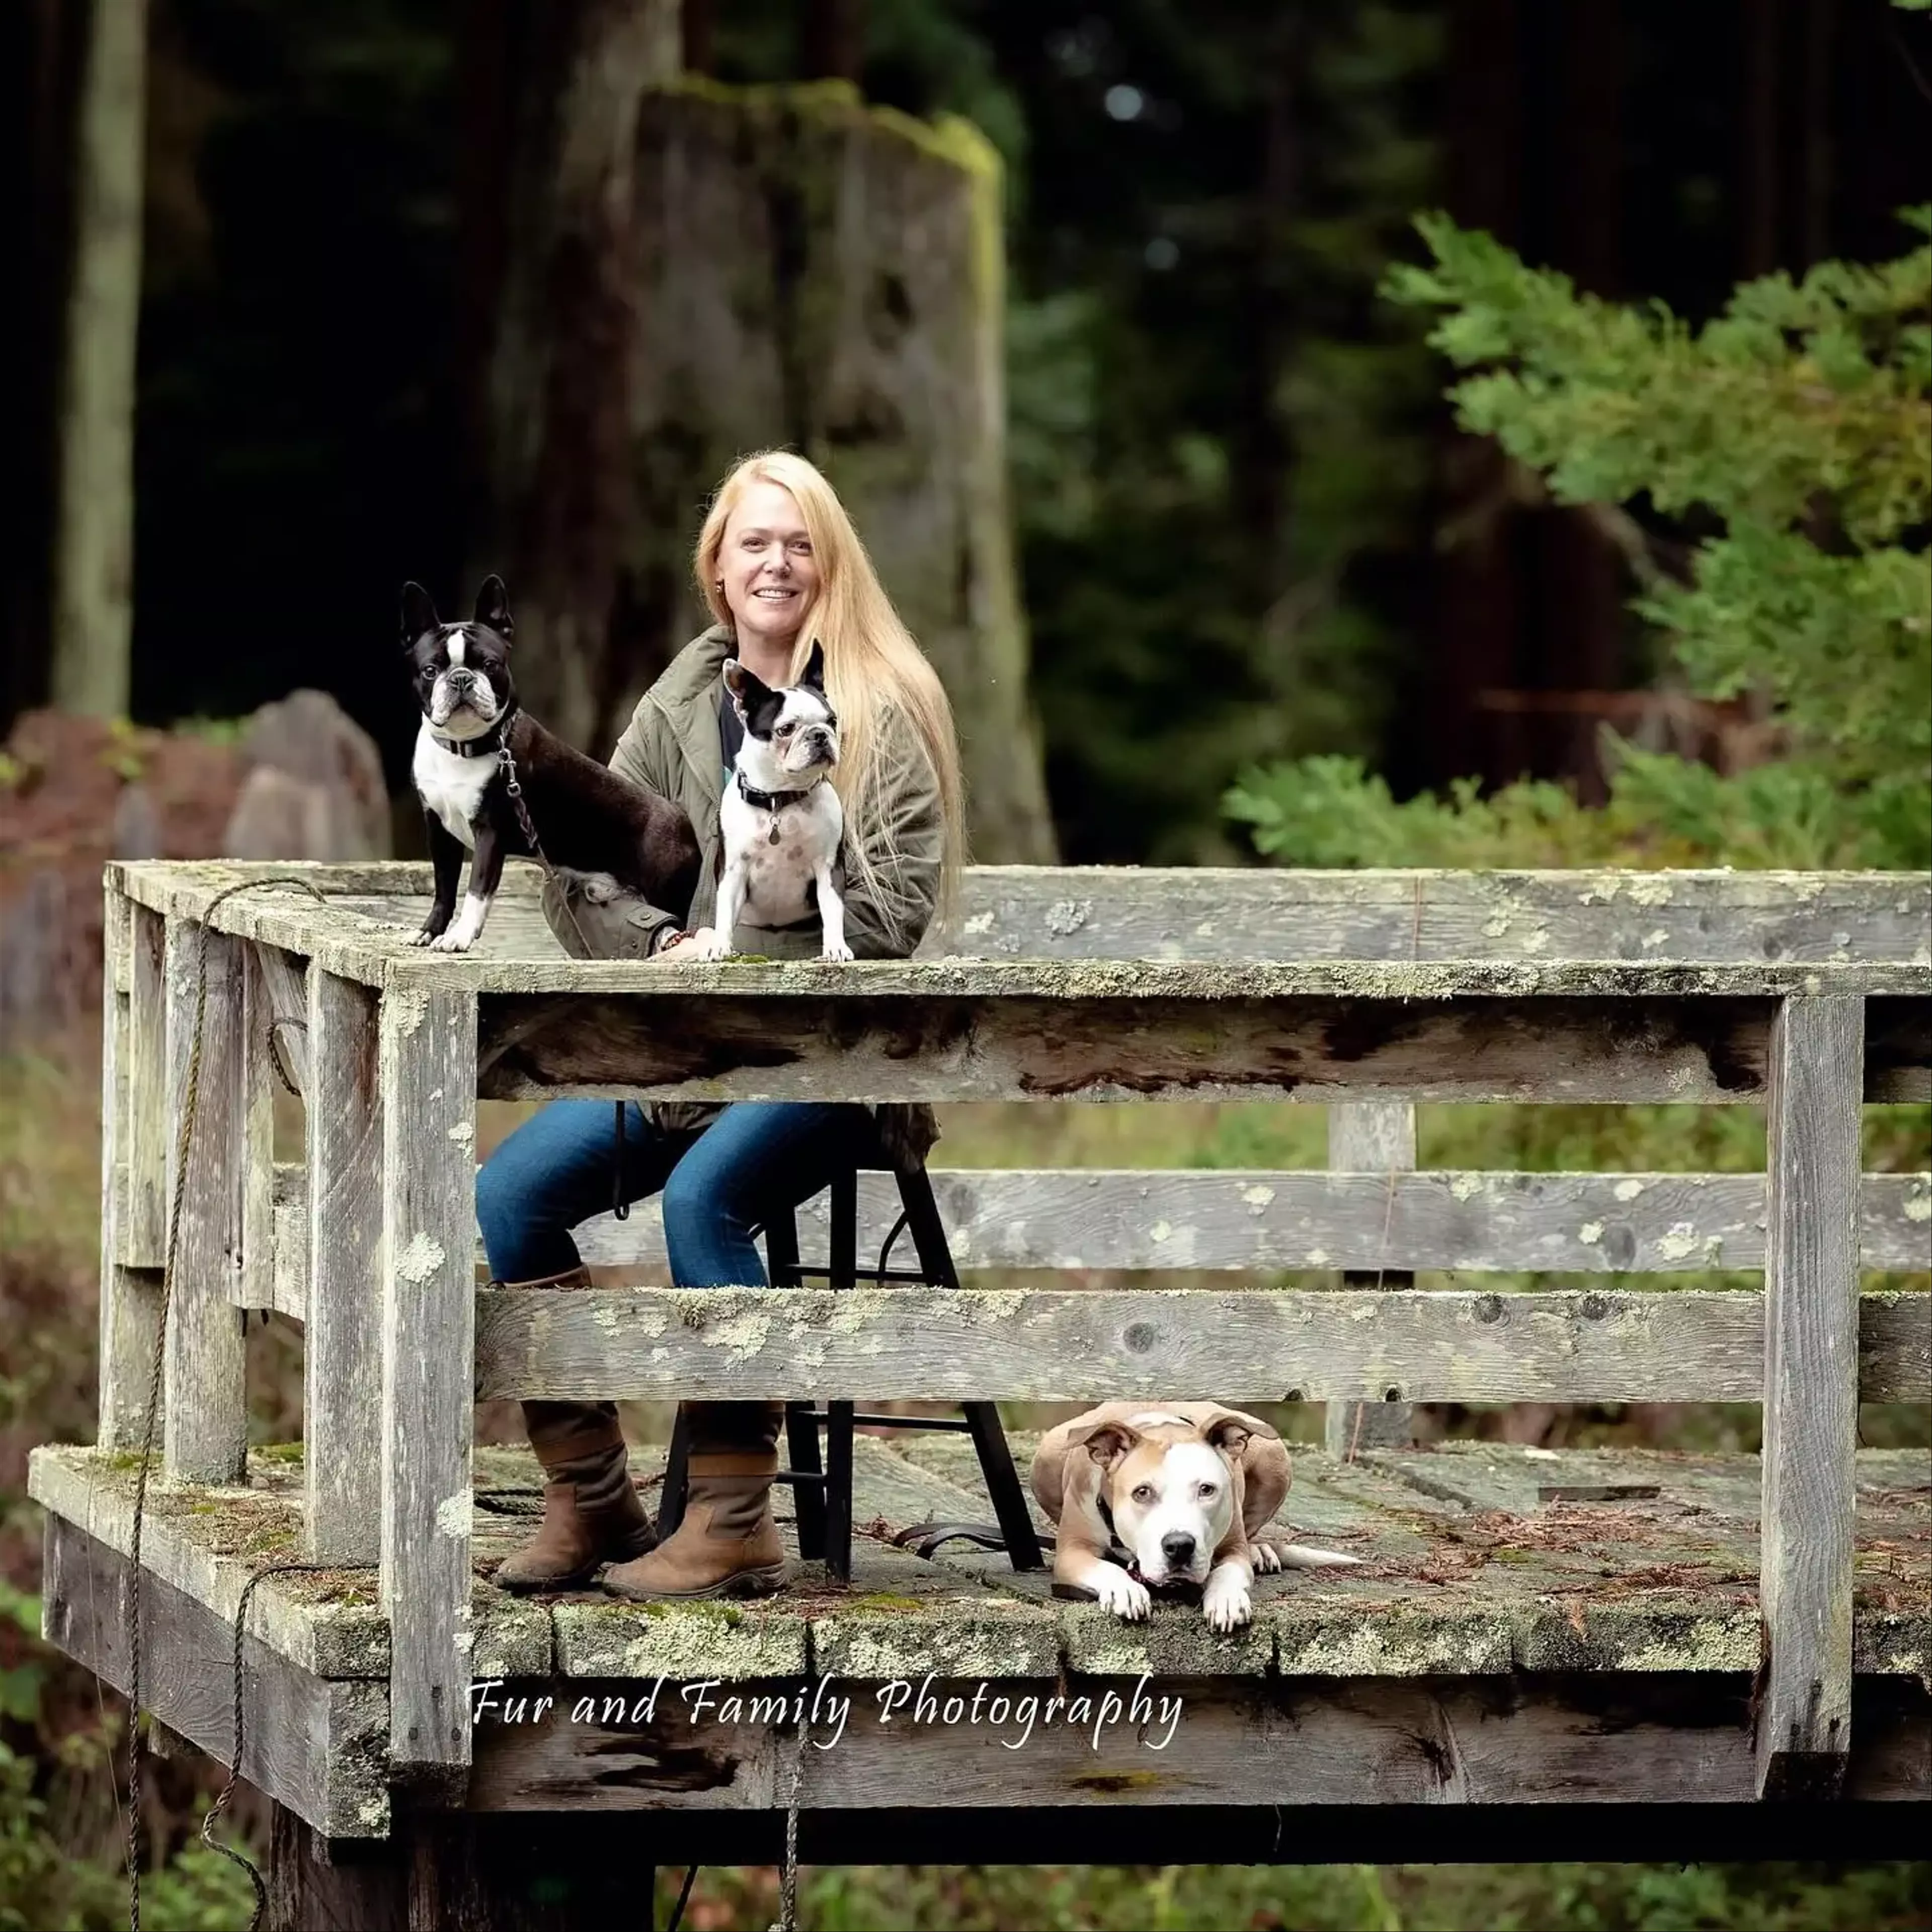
(842, 1262)
(808, 1498)
(801, 1421)
(837, 1490)
(982, 1418)
(842, 1268)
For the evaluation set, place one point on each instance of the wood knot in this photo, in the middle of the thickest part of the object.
(1140, 1337)
(1489, 1308)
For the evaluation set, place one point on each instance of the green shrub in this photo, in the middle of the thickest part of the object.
(1789, 436)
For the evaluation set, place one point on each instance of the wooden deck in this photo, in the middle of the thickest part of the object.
(1603, 1636)
(1509, 1601)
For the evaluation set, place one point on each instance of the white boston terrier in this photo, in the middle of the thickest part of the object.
(781, 822)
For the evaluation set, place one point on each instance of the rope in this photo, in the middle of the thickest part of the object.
(184, 1140)
(788, 1918)
(221, 1803)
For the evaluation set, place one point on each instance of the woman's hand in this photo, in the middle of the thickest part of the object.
(685, 945)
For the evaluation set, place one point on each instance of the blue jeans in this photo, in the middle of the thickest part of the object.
(756, 1158)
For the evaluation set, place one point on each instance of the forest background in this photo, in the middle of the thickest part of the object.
(1295, 531)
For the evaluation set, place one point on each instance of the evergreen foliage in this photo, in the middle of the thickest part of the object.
(1789, 439)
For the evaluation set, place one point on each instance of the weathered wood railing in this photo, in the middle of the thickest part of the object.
(1363, 992)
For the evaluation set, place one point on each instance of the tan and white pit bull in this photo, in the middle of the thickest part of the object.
(1183, 1492)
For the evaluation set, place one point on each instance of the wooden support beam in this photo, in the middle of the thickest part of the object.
(130, 1299)
(427, 1074)
(1811, 1396)
(1254, 1222)
(1070, 1030)
(205, 1418)
(542, 1871)
(936, 1345)
(1377, 1140)
(312, 1743)
(1672, 1738)
(342, 1355)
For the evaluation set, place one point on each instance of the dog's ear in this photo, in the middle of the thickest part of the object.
(746, 687)
(1229, 1430)
(492, 607)
(814, 668)
(1106, 1442)
(418, 614)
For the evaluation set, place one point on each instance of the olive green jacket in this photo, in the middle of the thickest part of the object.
(672, 747)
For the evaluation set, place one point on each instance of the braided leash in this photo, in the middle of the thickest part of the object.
(184, 1141)
(620, 1208)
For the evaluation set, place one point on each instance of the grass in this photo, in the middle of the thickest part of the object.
(58, 1830)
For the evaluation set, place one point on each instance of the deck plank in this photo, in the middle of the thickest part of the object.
(1464, 1568)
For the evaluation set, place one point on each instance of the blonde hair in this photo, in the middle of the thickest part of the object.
(871, 663)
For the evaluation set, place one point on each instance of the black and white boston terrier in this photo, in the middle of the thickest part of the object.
(781, 823)
(585, 817)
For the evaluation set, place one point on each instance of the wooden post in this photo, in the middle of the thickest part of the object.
(143, 1230)
(1810, 1395)
(532, 1872)
(428, 1081)
(342, 1340)
(258, 1136)
(205, 1432)
(312, 1888)
(1372, 1138)
(130, 1296)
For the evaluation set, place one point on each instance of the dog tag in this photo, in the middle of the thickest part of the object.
(774, 831)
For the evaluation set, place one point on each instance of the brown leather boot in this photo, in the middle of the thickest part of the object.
(592, 1515)
(727, 1544)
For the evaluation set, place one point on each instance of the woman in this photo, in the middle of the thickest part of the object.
(779, 565)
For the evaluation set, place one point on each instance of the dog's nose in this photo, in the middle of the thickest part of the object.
(1178, 1547)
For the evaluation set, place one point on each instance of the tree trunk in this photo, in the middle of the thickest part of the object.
(93, 587)
(835, 40)
(691, 273)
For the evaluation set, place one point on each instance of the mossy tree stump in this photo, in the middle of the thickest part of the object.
(690, 272)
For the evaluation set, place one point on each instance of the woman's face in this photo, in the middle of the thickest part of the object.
(770, 574)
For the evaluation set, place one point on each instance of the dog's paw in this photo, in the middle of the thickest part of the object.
(836, 949)
(1267, 1558)
(425, 937)
(1226, 1603)
(708, 942)
(451, 942)
(1126, 1596)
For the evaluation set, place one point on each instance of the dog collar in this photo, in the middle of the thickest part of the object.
(484, 747)
(773, 801)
